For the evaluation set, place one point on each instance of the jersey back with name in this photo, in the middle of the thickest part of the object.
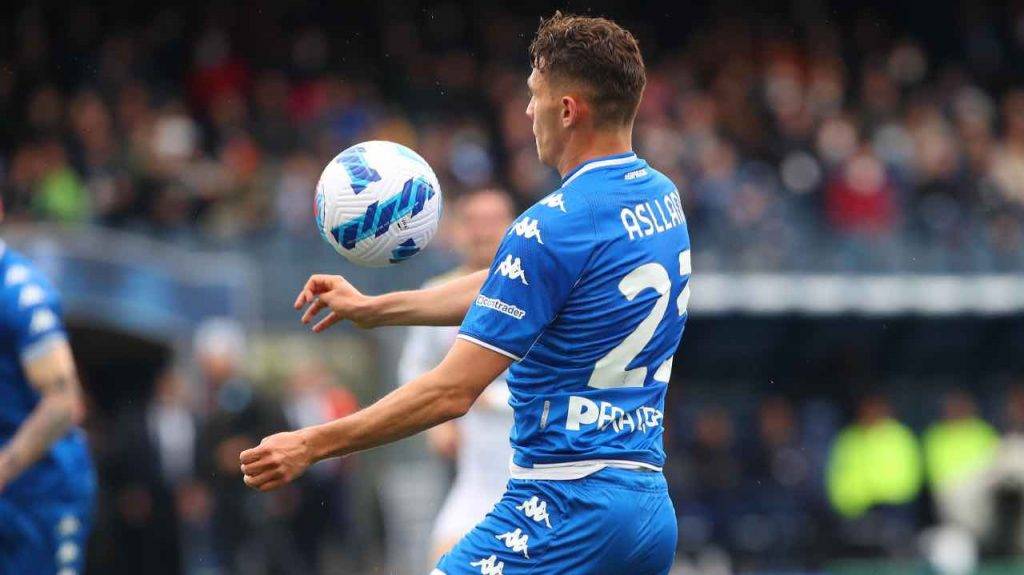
(588, 294)
(30, 319)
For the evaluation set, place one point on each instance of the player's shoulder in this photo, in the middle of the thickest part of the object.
(560, 216)
(658, 178)
(21, 283)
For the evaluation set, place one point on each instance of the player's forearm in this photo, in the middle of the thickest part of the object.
(51, 419)
(445, 304)
(423, 403)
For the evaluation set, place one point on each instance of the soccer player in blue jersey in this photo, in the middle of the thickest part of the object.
(584, 303)
(47, 483)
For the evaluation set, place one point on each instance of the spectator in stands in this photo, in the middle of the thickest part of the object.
(959, 445)
(237, 415)
(874, 476)
(959, 450)
(152, 463)
(778, 460)
(1006, 478)
(983, 495)
(768, 136)
(777, 487)
(874, 461)
(320, 512)
(715, 472)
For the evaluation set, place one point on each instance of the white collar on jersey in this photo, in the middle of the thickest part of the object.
(602, 162)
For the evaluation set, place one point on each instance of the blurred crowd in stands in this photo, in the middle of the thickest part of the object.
(825, 145)
(172, 497)
(787, 483)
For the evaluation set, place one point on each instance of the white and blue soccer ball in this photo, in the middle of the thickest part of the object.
(378, 203)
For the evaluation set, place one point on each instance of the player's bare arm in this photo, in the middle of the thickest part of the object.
(444, 304)
(442, 394)
(52, 373)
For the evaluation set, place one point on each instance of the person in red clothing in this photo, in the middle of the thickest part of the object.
(860, 199)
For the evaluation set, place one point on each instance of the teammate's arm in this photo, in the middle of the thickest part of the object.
(441, 394)
(51, 371)
(444, 304)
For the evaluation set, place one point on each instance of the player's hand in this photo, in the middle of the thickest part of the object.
(278, 459)
(339, 296)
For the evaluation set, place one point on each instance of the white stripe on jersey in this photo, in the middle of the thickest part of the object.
(574, 469)
(601, 164)
(489, 346)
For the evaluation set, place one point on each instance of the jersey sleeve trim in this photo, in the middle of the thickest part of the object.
(42, 347)
(489, 346)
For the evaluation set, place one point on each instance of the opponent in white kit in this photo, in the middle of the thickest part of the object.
(477, 441)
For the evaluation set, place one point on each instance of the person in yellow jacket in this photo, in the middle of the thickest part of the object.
(963, 460)
(875, 460)
(960, 445)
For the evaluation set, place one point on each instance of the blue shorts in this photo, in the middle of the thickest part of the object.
(44, 537)
(612, 522)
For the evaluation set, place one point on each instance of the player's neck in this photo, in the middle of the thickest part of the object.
(596, 144)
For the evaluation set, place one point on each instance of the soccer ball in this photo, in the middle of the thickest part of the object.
(378, 203)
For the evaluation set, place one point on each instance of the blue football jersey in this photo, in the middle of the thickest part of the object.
(30, 320)
(588, 295)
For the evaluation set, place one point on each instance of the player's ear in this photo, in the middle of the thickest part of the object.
(570, 111)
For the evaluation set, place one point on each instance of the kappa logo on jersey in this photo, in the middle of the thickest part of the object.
(537, 509)
(527, 228)
(42, 320)
(512, 268)
(555, 200)
(490, 566)
(635, 174)
(31, 295)
(16, 275)
(517, 541)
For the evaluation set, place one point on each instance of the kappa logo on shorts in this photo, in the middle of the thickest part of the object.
(527, 228)
(67, 553)
(536, 509)
(512, 268)
(43, 319)
(517, 541)
(554, 201)
(490, 566)
(68, 526)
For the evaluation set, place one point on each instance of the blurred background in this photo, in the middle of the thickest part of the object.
(849, 395)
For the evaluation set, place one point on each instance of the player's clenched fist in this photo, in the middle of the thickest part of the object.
(337, 294)
(277, 460)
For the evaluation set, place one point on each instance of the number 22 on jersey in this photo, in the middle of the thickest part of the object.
(610, 371)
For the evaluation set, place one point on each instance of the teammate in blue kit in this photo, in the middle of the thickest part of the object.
(47, 483)
(585, 304)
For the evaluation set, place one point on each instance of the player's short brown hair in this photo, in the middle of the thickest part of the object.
(597, 54)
